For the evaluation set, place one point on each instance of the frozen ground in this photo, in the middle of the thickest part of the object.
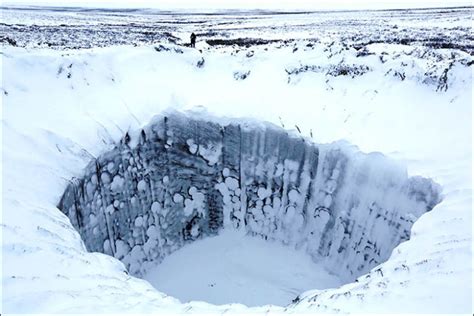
(234, 268)
(62, 108)
(72, 28)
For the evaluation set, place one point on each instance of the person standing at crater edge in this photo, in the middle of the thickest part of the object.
(193, 40)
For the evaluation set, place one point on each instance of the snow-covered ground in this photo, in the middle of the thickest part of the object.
(61, 108)
(73, 28)
(235, 268)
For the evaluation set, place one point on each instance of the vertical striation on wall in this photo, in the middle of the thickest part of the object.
(184, 178)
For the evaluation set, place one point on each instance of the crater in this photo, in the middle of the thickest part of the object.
(234, 211)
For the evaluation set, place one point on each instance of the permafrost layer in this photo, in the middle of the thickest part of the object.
(184, 178)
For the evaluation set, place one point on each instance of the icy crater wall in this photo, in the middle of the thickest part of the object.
(183, 178)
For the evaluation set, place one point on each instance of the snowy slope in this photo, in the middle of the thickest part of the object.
(61, 108)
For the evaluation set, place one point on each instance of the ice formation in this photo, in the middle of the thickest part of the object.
(396, 82)
(184, 177)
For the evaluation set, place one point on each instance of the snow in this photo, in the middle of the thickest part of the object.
(195, 203)
(211, 153)
(141, 186)
(231, 183)
(216, 6)
(139, 221)
(51, 134)
(225, 172)
(193, 148)
(263, 193)
(110, 209)
(117, 183)
(177, 198)
(155, 207)
(235, 268)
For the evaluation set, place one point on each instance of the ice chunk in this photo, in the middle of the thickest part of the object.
(122, 248)
(293, 196)
(231, 183)
(110, 167)
(105, 177)
(225, 172)
(263, 193)
(192, 147)
(117, 183)
(110, 209)
(141, 186)
(211, 153)
(178, 198)
(139, 221)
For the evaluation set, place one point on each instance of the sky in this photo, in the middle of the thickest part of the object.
(248, 4)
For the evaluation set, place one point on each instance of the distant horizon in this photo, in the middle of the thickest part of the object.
(244, 5)
(216, 10)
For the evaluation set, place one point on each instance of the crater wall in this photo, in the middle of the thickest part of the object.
(186, 177)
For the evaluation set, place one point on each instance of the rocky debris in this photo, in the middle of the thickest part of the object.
(200, 62)
(8, 40)
(163, 48)
(443, 79)
(244, 42)
(241, 75)
(341, 69)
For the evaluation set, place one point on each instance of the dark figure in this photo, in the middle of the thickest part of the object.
(193, 40)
